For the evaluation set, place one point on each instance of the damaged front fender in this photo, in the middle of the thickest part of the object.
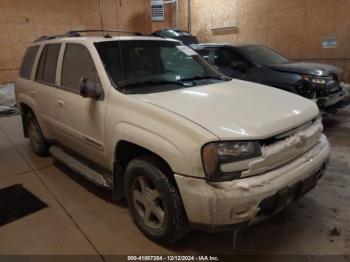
(226, 203)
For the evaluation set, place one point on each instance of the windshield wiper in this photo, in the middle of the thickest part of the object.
(204, 77)
(156, 82)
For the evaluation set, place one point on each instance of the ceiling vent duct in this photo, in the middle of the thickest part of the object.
(157, 7)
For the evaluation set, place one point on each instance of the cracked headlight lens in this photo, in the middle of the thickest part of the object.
(225, 161)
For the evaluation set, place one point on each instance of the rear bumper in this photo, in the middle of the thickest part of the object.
(224, 205)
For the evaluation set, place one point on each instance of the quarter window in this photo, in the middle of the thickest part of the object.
(77, 64)
(27, 62)
(46, 71)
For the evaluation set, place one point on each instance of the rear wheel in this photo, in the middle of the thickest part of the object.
(154, 202)
(35, 135)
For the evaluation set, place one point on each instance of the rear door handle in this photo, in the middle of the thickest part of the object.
(32, 93)
(60, 103)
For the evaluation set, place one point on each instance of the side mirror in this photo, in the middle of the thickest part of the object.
(88, 89)
(239, 65)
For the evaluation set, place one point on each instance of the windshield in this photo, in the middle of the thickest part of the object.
(261, 55)
(138, 64)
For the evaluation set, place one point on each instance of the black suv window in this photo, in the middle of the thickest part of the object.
(225, 59)
(27, 62)
(262, 55)
(46, 71)
(77, 64)
(204, 53)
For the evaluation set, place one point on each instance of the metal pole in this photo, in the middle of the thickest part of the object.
(189, 18)
(177, 14)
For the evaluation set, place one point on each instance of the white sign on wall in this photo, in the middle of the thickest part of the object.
(329, 42)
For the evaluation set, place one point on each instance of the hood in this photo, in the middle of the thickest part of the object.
(237, 109)
(307, 68)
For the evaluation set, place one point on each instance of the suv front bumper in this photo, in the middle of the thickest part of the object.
(330, 100)
(245, 201)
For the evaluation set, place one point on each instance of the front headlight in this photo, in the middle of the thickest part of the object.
(225, 161)
(317, 81)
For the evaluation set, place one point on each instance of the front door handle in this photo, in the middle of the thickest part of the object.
(60, 103)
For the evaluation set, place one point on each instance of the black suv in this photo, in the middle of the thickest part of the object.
(185, 37)
(260, 64)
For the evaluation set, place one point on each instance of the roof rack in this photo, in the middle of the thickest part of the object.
(77, 33)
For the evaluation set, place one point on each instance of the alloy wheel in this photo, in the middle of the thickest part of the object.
(147, 201)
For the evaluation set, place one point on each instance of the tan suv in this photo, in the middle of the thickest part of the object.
(151, 120)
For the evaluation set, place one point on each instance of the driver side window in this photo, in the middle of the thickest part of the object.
(77, 64)
(225, 59)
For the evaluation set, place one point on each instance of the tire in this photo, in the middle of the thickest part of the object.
(36, 137)
(154, 202)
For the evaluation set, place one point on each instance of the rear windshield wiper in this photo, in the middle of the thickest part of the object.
(156, 82)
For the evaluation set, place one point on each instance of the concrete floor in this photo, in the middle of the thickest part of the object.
(82, 219)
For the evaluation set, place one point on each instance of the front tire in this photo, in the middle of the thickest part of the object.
(154, 201)
(36, 137)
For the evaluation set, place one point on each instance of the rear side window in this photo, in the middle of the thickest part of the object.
(27, 62)
(77, 64)
(46, 71)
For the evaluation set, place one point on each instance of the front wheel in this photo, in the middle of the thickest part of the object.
(154, 202)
